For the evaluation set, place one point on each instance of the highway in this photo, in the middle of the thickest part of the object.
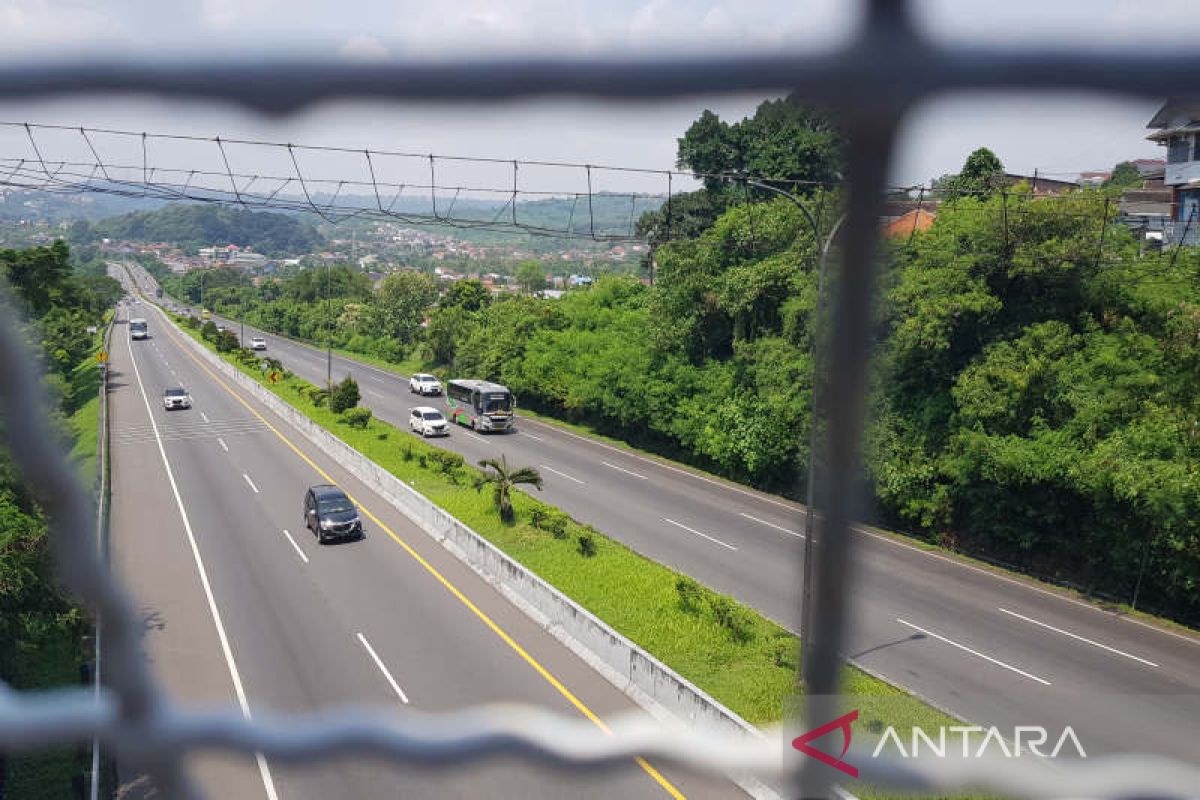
(987, 647)
(242, 607)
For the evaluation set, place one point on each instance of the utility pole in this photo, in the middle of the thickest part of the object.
(823, 247)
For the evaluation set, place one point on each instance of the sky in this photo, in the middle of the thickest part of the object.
(1057, 135)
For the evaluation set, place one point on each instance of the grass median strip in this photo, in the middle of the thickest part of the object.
(744, 660)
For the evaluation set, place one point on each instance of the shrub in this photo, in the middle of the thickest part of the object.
(556, 523)
(423, 460)
(344, 395)
(318, 396)
(407, 452)
(226, 341)
(191, 322)
(538, 515)
(691, 594)
(587, 545)
(447, 463)
(208, 331)
(733, 617)
(382, 435)
(357, 417)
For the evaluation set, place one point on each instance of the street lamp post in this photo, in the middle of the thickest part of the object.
(823, 247)
(328, 334)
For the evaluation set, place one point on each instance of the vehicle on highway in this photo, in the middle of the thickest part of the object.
(428, 421)
(330, 514)
(481, 405)
(176, 397)
(138, 328)
(258, 343)
(205, 314)
(424, 383)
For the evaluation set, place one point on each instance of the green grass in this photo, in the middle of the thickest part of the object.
(754, 675)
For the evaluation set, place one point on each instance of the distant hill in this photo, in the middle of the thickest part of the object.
(20, 204)
(205, 225)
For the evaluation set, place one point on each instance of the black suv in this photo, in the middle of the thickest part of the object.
(329, 514)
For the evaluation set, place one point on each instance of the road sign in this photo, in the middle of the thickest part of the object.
(102, 357)
(273, 376)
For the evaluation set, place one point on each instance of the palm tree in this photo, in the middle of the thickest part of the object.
(502, 480)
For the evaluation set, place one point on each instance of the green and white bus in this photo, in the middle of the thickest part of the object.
(481, 405)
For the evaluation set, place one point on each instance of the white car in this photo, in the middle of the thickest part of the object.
(176, 397)
(258, 343)
(423, 383)
(428, 421)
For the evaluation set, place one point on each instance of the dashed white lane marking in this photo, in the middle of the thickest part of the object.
(299, 552)
(1076, 636)
(561, 474)
(700, 534)
(976, 653)
(771, 525)
(626, 471)
(379, 663)
(252, 486)
(221, 442)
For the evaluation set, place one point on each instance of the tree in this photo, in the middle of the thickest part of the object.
(1125, 175)
(978, 178)
(497, 474)
(227, 341)
(400, 304)
(469, 295)
(531, 276)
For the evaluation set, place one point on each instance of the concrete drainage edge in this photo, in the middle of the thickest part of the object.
(655, 687)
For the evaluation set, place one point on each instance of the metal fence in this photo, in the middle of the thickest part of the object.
(871, 82)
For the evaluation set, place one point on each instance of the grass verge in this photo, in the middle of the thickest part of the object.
(742, 659)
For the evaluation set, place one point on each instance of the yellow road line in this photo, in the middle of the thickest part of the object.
(432, 570)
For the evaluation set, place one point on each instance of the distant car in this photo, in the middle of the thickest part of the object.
(220, 328)
(330, 514)
(428, 421)
(258, 343)
(176, 397)
(423, 384)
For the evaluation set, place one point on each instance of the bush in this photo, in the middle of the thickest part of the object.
(318, 396)
(691, 594)
(447, 463)
(538, 515)
(227, 341)
(423, 460)
(733, 617)
(556, 523)
(587, 545)
(344, 395)
(208, 331)
(191, 322)
(382, 435)
(407, 452)
(358, 418)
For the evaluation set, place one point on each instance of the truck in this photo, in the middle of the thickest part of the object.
(138, 328)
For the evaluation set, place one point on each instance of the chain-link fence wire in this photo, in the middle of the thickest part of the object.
(871, 82)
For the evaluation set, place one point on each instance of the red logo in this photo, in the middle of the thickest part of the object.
(841, 723)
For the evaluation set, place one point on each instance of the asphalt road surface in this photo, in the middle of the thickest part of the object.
(988, 648)
(242, 606)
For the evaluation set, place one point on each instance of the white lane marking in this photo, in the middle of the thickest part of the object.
(221, 442)
(264, 770)
(698, 533)
(1077, 636)
(204, 416)
(252, 486)
(383, 669)
(562, 474)
(626, 471)
(771, 525)
(374, 393)
(966, 649)
(531, 436)
(299, 552)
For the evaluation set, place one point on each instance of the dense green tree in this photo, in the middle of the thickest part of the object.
(1125, 175)
(469, 295)
(400, 304)
(979, 176)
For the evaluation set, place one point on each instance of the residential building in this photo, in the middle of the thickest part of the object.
(1177, 127)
